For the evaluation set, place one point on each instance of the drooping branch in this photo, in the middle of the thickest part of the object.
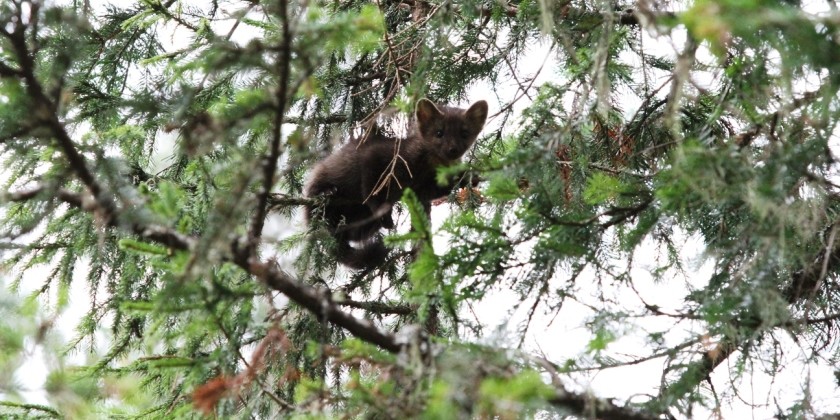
(803, 283)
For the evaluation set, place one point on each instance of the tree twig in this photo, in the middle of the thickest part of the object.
(270, 162)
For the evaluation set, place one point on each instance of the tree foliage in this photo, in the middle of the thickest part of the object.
(155, 154)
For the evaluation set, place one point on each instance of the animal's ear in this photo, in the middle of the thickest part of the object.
(475, 116)
(426, 112)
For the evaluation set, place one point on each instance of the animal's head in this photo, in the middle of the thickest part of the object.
(450, 131)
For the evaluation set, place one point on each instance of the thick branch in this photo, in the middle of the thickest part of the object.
(327, 119)
(282, 200)
(319, 304)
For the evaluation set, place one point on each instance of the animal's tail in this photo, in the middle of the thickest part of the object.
(371, 253)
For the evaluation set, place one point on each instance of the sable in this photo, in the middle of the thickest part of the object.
(362, 180)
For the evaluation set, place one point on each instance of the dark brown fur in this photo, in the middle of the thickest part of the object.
(350, 176)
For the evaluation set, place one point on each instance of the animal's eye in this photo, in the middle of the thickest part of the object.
(439, 133)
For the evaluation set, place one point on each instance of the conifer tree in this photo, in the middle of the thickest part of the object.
(155, 156)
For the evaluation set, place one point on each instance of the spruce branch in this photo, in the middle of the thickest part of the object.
(45, 111)
(308, 297)
(584, 404)
(802, 284)
(163, 10)
(33, 407)
(270, 160)
(320, 304)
